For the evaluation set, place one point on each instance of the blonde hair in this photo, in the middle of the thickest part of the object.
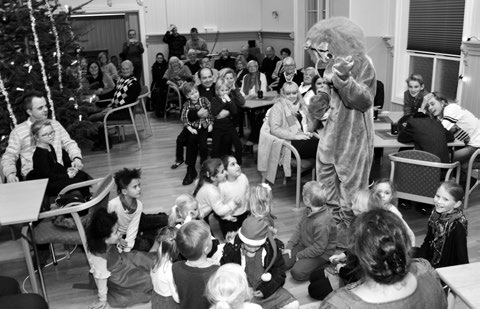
(367, 200)
(260, 200)
(183, 205)
(167, 248)
(315, 193)
(228, 287)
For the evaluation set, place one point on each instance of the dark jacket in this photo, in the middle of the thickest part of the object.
(232, 254)
(297, 78)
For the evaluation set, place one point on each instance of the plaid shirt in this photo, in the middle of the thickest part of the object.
(126, 91)
(201, 122)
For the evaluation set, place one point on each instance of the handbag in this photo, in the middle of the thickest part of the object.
(71, 199)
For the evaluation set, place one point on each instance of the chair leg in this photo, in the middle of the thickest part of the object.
(135, 128)
(54, 256)
(105, 128)
(29, 261)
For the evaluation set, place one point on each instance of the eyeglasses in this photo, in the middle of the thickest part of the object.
(49, 134)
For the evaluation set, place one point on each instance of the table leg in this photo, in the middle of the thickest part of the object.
(35, 251)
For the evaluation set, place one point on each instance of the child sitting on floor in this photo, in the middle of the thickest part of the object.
(263, 263)
(260, 201)
(129, 208)
(191, 276)
(315, 237)
(446, 241)
(128, 274)
(165, 293)
(184, 210)
(228, 288)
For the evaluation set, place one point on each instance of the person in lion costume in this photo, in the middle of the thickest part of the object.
(345, 148)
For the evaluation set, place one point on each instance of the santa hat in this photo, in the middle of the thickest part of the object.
(254, 232)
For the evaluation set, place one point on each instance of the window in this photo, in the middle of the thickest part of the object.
(315, 10)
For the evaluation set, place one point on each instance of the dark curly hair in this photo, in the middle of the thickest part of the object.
(125, 176)
(382, 246)
(99, 230)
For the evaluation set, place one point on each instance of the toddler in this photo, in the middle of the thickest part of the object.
(315, 237)
(184, 210)
(191, 276)
(224, 131)
(387, 192)
(164, 291)
(195, 132)
(260, 200)
(446, 241)
(259, 254)
(235, 188)
(129, 208)
(228, 288)
(413, 97)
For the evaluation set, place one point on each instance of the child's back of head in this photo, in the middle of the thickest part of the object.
(185, 208)
(192, 239)
(167, 246)
(365, 200)
(314, 194)
(260, 200)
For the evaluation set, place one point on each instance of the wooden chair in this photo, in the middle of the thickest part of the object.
(173, 94)
(47, 233)
(142, 109)
(121, 123)
(473, 167)
(300, 165)
(417, 174)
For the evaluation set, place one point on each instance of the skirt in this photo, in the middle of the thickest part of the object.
(279, 299)
(163, 302)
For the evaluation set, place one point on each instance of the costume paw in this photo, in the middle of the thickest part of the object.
(343, 66)
(319, 105)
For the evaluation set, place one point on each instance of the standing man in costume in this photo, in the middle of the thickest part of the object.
(345, 148)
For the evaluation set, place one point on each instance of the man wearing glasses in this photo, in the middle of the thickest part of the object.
(20, 143)
(290, 74)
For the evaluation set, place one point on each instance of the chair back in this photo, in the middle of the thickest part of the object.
(417, 174)
(102, 193)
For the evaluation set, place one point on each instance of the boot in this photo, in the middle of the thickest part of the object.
(190, 177)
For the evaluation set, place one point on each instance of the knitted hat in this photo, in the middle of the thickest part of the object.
(254, 232)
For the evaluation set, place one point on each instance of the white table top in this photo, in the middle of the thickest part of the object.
(254, 102)
(463, 280)
(21, 201)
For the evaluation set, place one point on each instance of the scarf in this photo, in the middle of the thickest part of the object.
(442, 225)
(252, 80)
(129, 208)
(290, 115)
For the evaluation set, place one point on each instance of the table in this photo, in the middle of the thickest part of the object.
(463, 281)
(22, 202)
(254, 102)
(383, 123)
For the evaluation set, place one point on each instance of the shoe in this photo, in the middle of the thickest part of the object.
(176, 164)
(190, 177)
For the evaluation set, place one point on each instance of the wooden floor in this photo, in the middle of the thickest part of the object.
(161, 185)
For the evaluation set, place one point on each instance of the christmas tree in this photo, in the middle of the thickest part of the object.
(39, 51)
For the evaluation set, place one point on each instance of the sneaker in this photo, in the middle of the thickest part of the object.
(176, 164)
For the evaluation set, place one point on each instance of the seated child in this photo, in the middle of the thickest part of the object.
(128, 274)
(191, 276)
(194, 134)
(387, 192)
(164, 290)
(224, 130)
(129, 208)
(315, 237)
(235, 188)
(184, 210)
(228, 288)
(446, 241)
(263, 263)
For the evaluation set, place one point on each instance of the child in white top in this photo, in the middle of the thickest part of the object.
(235, 188)
(228, 288)
(165, 293)
(387, 192)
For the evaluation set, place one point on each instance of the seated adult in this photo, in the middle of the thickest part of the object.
(306, 85)
(290, 74)
(99, 83)
(288, 121)
(11, 296)
(192, 62)
(107, 66)
(225, 61)
(231, 79)
(177, 73)
(127, 90)
(284, 53)
(254, 81)
(20, 144)
(245, 52)
(426, 133)
(269, 63)
(45, 162)
(205, 63)
(391, 279)
(240, 69)
(318, 84)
